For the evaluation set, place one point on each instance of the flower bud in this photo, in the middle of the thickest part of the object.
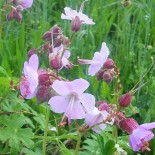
(128, 124)
(125, 100)
(109, 64)
(106, 75)
(43, 77)
(42, 94)
(126, 3)
(103, 105)
(47, 36)
(76, 24)
(17, 16)
(31, 52)
(55, 61)
(9, 16)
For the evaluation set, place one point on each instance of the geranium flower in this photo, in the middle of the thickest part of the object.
(24, 3)
(72, 14)
(29, 81)
(139, 134)
(71, 100)
(58, 51)
(98, 60)
(96, 116)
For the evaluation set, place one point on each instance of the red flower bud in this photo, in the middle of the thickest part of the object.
(128, 124)
(106, 75)
(43, 77)
(55, 61)
(103, 105)
(125, 100)
(31, 52)
(76, 24)
(109, 64)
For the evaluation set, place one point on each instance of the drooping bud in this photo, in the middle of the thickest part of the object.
(43, 77)
(125, 100)
(42, 94)
(47, 36)
(18, 16)
(76, 24)
(106, 75)
(103, 105)
(9, 16)
(31, 52)
(109, 64)
(55, 61)
(128, 125)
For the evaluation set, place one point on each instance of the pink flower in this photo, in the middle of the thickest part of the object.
(71, 100)
(24, 3)
(29, 81)
(139, 134)
(72, 14)
(58, 51)
(95, 117)
(98, 60)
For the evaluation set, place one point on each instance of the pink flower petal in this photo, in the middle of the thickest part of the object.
(79, 85)
(104, 50)
(77, 111)
(62, 87)
(34, 61)
(148, 125)
(88, 101)
(59, 103)
(25, 3)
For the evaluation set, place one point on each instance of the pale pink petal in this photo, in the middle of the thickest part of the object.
(62, 87)
(69, 14)
(148, 125)
(34, 62)
(77, 111)
(88, 101)
(79, 85)
(59, 103)
(65, 62)
(85, 19)
(67, 54)
(85, 61)
(25, 3)
(104, 50)
(93, 69)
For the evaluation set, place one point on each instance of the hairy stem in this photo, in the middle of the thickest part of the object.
(78, 144)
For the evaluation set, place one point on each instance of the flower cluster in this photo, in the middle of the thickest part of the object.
(69, 97)
(17, 6)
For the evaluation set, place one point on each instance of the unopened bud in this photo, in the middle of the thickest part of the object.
(55, 61)
(42, 94)
(9, 16)
(125, 100)
(43, 77)
(17, 16)
(76, 24)
(103, 105)
(31, 52)
(47, 36)
(128, 124)
(106, 75)
(109, 64)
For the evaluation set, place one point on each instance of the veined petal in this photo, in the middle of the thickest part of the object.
(79, 85)
(88, 101)
(104, 50)
(148, 125)
(93, 69)
(85, 61)
(77, 111)
(25, 3)
(59, 103)
(85, 19)
(34, 62)
(62, 87)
